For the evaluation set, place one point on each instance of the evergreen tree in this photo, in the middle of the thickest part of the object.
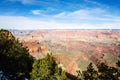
(90, 73)
(118, 63)
(60, 74)
(15, 62)
(107, 72)
(47, 69)
(79, 75)
(118, 69)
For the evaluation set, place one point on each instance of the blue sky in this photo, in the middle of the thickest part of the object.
(60, 14)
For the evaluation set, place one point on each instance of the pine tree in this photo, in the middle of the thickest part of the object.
(118, 70)
(15, 62)
(80, 75)
(90, 73)
(118, 63)
(47, 69)
(107, 73)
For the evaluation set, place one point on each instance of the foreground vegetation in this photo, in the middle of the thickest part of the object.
(17, 64)
(104, 72)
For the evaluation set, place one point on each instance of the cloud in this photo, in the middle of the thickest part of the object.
(36, 12)
(55, 15)
(20, 22)
(42, 12)
(94, 2)
(91, 15)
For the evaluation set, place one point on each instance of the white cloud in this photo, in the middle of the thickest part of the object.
(91, 15)
(89, 18)
(62, 14)
(36, 12)
(20, 22)
(80, 19)
(94, 2)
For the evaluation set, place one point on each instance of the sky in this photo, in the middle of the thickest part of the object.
(59, 14)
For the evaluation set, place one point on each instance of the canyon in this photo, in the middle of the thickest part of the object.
(73, 49)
